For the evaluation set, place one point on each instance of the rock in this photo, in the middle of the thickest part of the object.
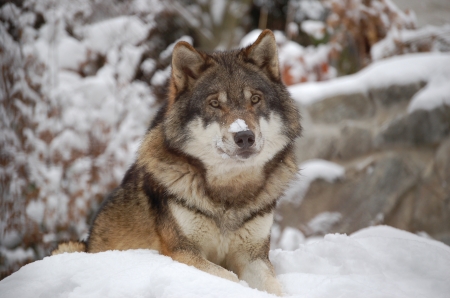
(335, 109)
(397, 165)
(418, 128)
(442, 161)
(355, 140)
(316, 143)
(360, 199)
(425, 207)
(391, 95)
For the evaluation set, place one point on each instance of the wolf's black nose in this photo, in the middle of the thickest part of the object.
(244, 139)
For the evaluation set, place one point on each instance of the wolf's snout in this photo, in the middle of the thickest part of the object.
(244, 139)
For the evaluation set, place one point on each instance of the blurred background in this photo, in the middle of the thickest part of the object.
(81, 80)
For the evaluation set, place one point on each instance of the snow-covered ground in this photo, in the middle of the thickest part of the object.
(374, 262)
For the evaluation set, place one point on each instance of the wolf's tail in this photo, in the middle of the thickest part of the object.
(71, 246)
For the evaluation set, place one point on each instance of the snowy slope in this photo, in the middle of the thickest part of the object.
(374, 262)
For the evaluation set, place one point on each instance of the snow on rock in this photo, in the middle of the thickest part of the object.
(238, 125)
(317, 168)
(322, 222)
(401, 70)
(291, 239)
(374, 262)
(433, 95)
(311, 170)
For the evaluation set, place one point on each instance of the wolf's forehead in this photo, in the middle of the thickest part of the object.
(233, 81)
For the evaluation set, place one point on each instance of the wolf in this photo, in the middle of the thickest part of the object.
(210, 168)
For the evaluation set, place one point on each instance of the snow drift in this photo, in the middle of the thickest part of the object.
(374, 262)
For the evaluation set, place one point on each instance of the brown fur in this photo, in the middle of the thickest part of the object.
(69, 247)
(190, 203)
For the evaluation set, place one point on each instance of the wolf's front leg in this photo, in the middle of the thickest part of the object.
(192, 259)
(259, 274)
(249, 255)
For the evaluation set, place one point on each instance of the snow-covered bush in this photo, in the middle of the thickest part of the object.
(404, 41)
(80, 82)
(356, 25)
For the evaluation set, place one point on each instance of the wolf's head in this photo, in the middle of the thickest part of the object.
(229, 108)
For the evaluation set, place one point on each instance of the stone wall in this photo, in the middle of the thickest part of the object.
(397, 163)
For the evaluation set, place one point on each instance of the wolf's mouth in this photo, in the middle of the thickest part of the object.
(238, 155)
(244, 154)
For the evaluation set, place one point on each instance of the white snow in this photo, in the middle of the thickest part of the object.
(253, 35)
(148, 66)
(433, 95)
(436, 38)
(322, 222)
(35, 210)
(311, 170)
(19, 254)
(401, 70)
(374, 262)
(103, 36)
(76, 123)
(71, 53)
(298, 63)
(167, 53)
(161, 76)
(217, 9)
(314, 28)
(238, 125)
(312, 9)
(290, 239)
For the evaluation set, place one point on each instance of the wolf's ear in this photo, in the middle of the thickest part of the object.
(263, 52)
(187, 65)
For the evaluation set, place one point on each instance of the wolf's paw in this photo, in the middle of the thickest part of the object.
(273, 287)
(228, 275)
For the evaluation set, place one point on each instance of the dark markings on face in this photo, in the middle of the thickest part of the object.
(229, 73)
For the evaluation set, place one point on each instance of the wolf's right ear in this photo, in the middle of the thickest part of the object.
(187, 65)
(264, 54)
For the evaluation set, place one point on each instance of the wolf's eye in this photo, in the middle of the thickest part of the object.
(214, 103)
(255, 99)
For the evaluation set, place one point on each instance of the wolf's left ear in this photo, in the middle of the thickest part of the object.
(263, 52)
(187, 65)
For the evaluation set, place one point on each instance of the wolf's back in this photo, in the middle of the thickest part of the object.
(71, 246)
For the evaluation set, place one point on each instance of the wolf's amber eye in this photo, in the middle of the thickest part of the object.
(255, 99)
(214, 103)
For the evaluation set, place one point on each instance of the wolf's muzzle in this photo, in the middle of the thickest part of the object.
(244, 139)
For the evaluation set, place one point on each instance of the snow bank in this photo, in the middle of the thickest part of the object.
(374, 262)
(401, 70)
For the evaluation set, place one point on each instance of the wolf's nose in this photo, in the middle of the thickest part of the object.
(244, 139)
